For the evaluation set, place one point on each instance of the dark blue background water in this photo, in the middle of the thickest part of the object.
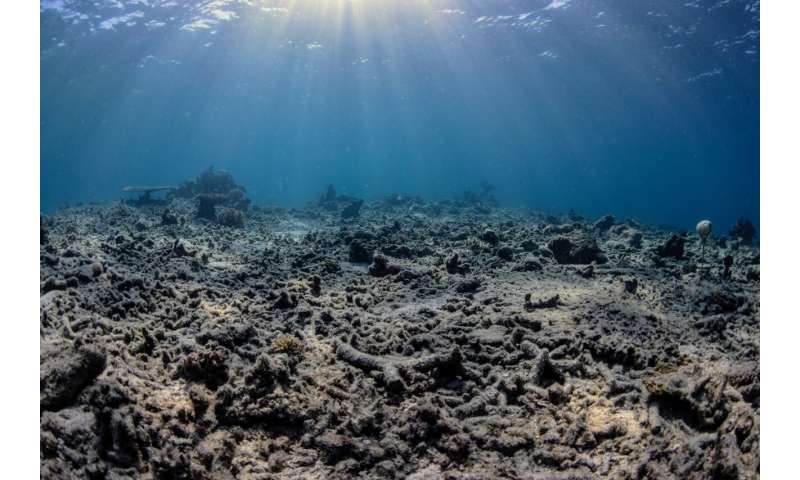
(645, 109)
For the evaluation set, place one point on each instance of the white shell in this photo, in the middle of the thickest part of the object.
(704, 228)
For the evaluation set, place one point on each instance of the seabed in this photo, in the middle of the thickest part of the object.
(201, 336)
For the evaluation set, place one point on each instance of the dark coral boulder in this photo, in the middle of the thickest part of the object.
(576, 251)
(63, 376)
(744, 231)
(213, 188)
(605, 223)
(673, 248)
(353, 210)
(359, 251)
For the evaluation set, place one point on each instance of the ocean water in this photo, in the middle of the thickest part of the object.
(644, 109)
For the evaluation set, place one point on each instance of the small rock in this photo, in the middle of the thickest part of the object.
(453, 265)
(528, 265)
(672, 248)
(62, 378)
(168, 218)
(359, 253)
(353, 210)
(207, 366)
(583, 250)
(380, 266)
(490, 237)
(182, 248)
(604, 223)
(744, 231)
(529, 246)
(285, 301)
(141, 225)
(630, 284)
(506, 253)
(549, 302)
(468, 286)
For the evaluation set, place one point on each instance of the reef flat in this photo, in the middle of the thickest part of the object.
(201, 336)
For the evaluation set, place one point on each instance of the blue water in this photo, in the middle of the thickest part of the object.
(645, 109)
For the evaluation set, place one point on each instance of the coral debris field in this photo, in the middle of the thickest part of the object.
(201, 336)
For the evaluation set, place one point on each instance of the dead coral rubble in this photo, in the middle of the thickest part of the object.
(415, 340)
